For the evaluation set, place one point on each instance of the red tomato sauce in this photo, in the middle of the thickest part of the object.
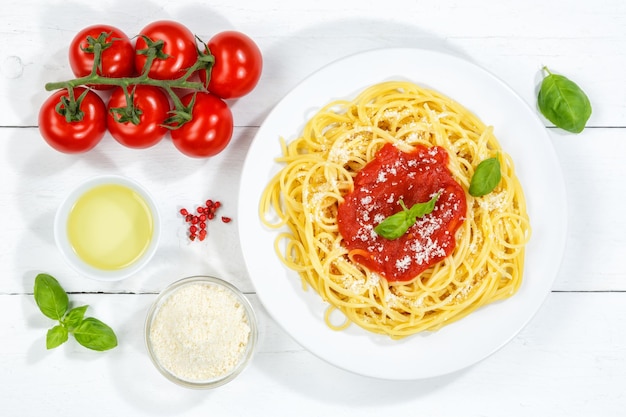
(413, 177)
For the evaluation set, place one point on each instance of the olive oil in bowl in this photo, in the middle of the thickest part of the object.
(110, 226)
(107, 228)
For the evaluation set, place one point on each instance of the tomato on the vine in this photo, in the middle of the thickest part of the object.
(210, 128)
(117, 53)
(177, 53)
(78, 125)
(238, 65)
(138, 124)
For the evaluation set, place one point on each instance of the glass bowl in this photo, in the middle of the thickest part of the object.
(107, 228)
(201, 332)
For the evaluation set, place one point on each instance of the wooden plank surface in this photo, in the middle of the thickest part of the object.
(569, 361)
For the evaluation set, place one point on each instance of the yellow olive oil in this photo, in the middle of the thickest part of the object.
(110, 226)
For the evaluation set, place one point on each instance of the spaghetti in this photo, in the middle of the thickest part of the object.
(320, 168)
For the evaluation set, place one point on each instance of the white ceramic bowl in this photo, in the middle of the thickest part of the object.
(201, 332)
(74, 260)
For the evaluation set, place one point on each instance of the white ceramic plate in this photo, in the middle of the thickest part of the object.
(459, 344)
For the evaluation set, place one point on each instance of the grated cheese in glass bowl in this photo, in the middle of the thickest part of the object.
(201, 332)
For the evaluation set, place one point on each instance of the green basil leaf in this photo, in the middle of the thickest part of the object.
(486, 177)
(94, 334)
(563, 103)
(394, 226)
(50, 297)
(397, 224)
(422, 209)
(56, 336)
(74, 317)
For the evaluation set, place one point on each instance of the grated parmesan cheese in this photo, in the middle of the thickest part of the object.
(200, 332)
(493, 201)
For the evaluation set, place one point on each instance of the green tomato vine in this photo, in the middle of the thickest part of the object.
(70, 107)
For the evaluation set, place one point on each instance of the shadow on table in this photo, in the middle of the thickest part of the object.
(310, 377)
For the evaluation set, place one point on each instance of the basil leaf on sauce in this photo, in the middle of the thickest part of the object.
(563, 103)
(485, 178)
(422, 209)
(397, 224)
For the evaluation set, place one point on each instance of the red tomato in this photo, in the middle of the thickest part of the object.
(151, 107)
(117, 53)
(238, 65)
(73, 136)
(209, 130)
(178, 43)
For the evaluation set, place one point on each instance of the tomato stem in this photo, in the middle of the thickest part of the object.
(127, 81)
(97, 52)
(182, 82)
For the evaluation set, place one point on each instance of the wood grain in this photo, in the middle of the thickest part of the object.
(569, 361)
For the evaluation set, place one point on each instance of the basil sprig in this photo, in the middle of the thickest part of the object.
(397, 224)
(563, 103)
(486, 177)
(53, 302)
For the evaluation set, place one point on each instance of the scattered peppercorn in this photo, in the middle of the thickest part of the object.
(198, 223)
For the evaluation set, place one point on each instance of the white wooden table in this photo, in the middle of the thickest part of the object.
(569, 361)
